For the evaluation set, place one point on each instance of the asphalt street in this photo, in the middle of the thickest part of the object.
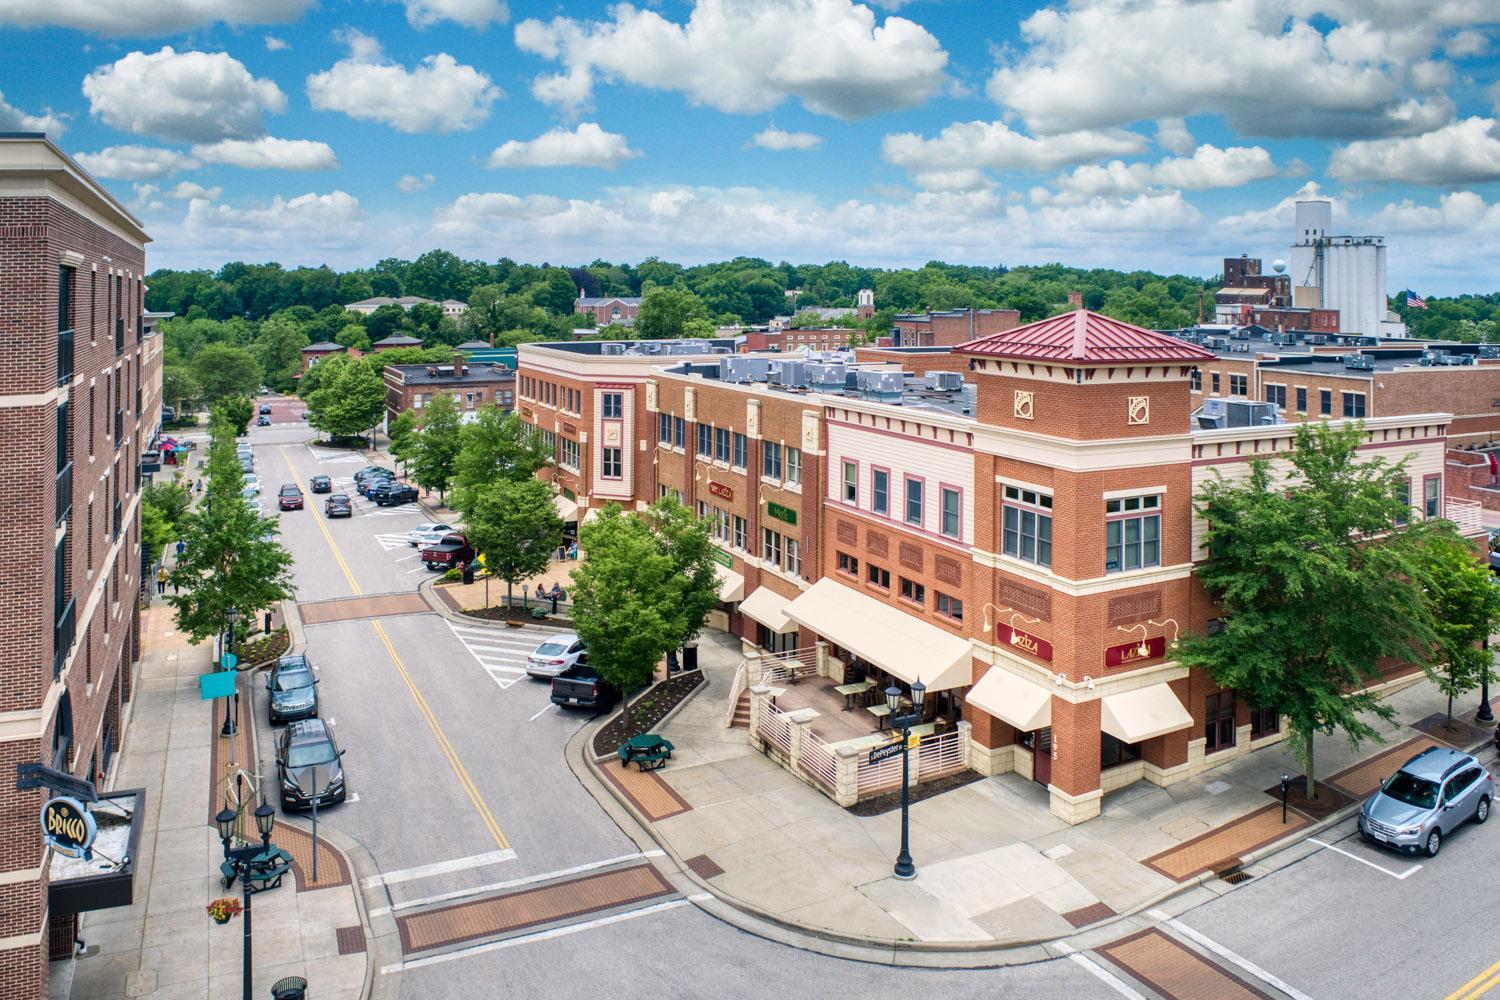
(458, 782)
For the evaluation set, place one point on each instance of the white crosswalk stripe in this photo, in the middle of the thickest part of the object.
(396, 540)
(502, 654)
(334, 457)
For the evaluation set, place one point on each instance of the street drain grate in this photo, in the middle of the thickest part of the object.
(1235, 877)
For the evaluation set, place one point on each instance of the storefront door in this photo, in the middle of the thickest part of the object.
(1041, 756)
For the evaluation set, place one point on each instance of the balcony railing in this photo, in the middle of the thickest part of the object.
(119, 427)
(64, 357)
(64, 493)
(119, 334)
(1466, 514)
(62, 637)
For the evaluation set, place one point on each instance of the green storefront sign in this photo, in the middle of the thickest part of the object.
(781, 513)
(723, 558)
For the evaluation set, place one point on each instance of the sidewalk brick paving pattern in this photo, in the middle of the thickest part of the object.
(297, 842)
(1222, 847)
(1175, 971)
(1364, 777)
(651, 795)
(496, 915)
(350, 608)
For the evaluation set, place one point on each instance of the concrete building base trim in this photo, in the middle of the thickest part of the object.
(1074, 809)
(990, 761)
(1022, 762)
(1115, 778)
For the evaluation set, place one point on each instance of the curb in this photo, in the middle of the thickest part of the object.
(428, 589)
(672, 712)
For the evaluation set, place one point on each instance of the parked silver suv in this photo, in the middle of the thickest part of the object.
(1427, 799)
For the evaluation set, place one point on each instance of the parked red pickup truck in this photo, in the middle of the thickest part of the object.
(447, 554)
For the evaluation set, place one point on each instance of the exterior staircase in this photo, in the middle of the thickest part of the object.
(741, 717)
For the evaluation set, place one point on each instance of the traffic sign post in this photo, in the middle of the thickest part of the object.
(229, 661)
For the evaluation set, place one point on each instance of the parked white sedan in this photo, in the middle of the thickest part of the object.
(428, 533)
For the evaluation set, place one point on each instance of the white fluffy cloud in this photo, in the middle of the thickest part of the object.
(1172, 135)
(304, 227)
(13, 119)
(269, 153)
(774, 138)
(135, 163)
(1264, 65)
(995, 146)
(186, 96)
(740, 57)
(1465, 152)
(439, 95)
(274, 44)
(1208, 167)
(588, 145)
(411, 182)
(145, 17)
(470, 13)
(1275, 222)
(187, 190)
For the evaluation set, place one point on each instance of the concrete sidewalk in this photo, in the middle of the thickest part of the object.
(165, 945)
(995, 869)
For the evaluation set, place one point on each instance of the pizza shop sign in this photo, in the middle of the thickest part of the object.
(68, 827)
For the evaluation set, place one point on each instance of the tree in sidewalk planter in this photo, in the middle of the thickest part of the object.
(1465, 607)
(349, 398)
(235, 411)
(1316, 585)
(435, 451)
(646, 588)
(496, 445)
(232, 559)
(402, 431)
(513, 526)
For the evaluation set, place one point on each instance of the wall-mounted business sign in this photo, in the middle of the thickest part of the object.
(1025, 642)
(1131, 652)
(781, 513)
(723, 558)
(720, 490)
(68, 827)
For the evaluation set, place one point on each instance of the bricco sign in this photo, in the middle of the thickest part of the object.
(1135, 652)
(720, 490)
(1031, 645)
(68, 827)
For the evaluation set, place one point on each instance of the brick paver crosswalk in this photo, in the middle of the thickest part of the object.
(1223, 846)
(1175, 971)
(651, 795)
(350, 608)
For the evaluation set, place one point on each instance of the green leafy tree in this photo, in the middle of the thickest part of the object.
(278, 348)
(665, 312)
(1465, 606)
(349, 398)
(178, 386)
(232, 559)
(236, 411)
(170, 499)
(156, 531)
(1315, 585)
(225, 370)
(403, 434)
(646, 587)
(435, 452)
(353, 336)
(496, 445)
(514, 526)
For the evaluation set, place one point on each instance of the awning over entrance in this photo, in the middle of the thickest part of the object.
(769, 608)
(901, 645)
(1000, 693)
(566, 509)
(1133, 716)
(731, 585)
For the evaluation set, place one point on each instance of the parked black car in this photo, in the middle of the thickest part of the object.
(265, 408)
(321, 484)
(366, 486)
(338, 505)
(372, 470)
(307, 754)
(293, 688)
(263, 421)
(580, 686)
(389, 493)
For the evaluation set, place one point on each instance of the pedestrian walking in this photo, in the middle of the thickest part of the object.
(181, 548)
(161, 581)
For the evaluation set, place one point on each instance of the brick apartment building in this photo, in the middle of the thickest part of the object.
(313, 353)
(950, 328)
(412, 387)
(1022, 541)
(821, 338)
(82, 402)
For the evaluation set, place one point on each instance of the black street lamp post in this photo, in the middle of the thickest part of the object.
(247, 861)
(228, 729)
(1484, 714)
(904, 867)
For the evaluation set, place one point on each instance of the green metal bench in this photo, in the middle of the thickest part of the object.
(648, 752)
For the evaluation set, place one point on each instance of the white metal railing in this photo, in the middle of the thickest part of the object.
(775, 728)
(939, 755)
(1466, 514)
(786, 667)
(814, 757)
(875, 777)
(737, 687)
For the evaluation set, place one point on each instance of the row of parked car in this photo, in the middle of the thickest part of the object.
(309, 763)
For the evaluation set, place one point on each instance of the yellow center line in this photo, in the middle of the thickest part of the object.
(447, 748)
(1479, 985)
(327, 535)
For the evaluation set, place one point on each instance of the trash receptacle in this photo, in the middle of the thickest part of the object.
(690, 657)
(468, 573)
(290, 988)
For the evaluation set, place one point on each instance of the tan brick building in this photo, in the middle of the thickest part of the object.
(82, 401)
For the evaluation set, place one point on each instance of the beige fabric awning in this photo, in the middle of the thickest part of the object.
(1133, 716)
(566, 509)
(1000, 693)
(731, 585)
(898, 643)
(769, 608)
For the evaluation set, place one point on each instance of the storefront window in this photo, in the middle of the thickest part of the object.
(1112, 752)
(1218, 721)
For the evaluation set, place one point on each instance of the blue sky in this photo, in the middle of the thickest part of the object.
(1158, 134)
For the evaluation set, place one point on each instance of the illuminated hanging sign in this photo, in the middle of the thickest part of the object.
(68, 827)
(720, 490)
(1031, 645)
(1132, 652)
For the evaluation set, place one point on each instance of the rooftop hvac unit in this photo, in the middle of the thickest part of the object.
(824, 377)
(613, 350)
(1489, 350)
(789, 373)
(884, 387)
(742, 369)
(1317, 338)
(971, 398)
(1212, 414)
(1361, 362)
(1456, 359)
(943, 381)
(1249, 413)
(1432, 357)
(687, 348)
(1240, 333)
(1216, 343)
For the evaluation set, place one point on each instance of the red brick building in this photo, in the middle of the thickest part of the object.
(412, 387)
(607, 310)
(82, 401)
(948, 329)
(820, 338)
(313, 353)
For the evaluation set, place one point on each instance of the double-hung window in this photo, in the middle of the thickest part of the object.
(721, 444)
(793, 457)
(740, 532)
(793, 564)
(1325, 402)
(914, 501)
(721, 524)
(949, 518)
(612, 464)
(741, 451)
(770, 549)
(702, 506)
(613, 405)
(880, 491)
(706, 440)
(664, 428)
(679, 432)
(569, 456)
(851, 482)
(1403, 493)
(1432, 503)
(1132, 533)
(770, 460)
(1301, 399)
(1026, 525)
(1354, 404)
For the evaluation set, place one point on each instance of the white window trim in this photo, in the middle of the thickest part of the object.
(1140, 491)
